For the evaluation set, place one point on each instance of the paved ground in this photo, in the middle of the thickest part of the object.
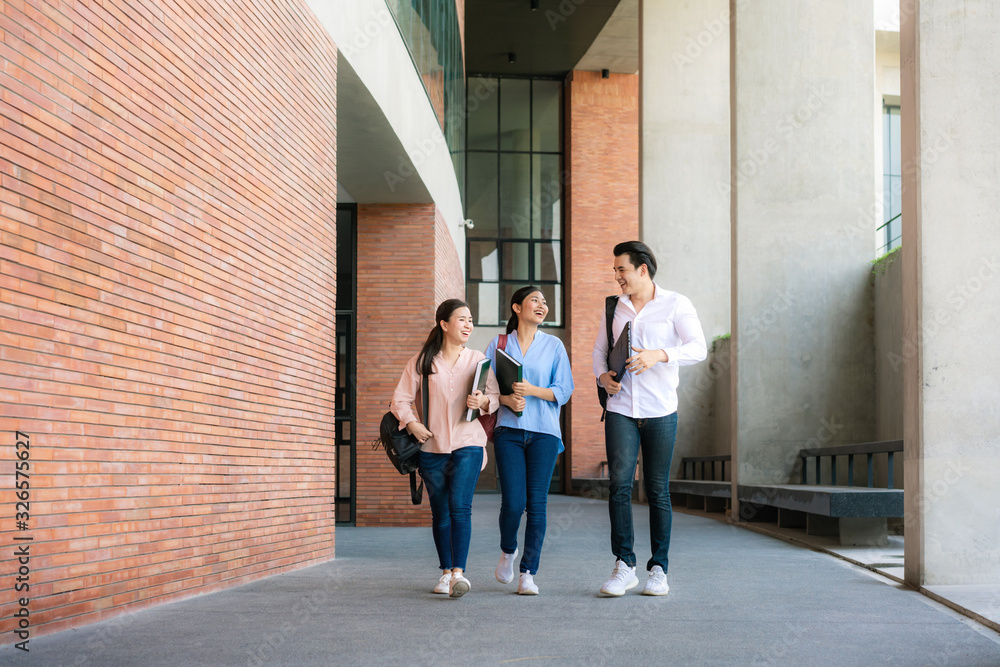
(737, 598)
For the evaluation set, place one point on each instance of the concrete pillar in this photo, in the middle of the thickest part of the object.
(802, 86)
(685, 183)
(951, 291)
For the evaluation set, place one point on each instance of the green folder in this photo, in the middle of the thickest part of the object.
(478, 382)
(508, 372)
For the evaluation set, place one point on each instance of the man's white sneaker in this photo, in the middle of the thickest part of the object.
(442, 584)
(526, 585)
(459, 585)
(622, 579)
(505, 568)
(657, 582)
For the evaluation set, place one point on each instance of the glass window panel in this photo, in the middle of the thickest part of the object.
(484, 263)
(515, 196)
(483, 117)
(484, 302)
(548, 262)
(895, 196)
(515, 261)
(481, 202)
(546, 190)
(545, 115)
(894, 142)
(515, 115)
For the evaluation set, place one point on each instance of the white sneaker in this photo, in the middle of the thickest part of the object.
(505, 568)
(622, 579)
(459, 585)
(442, 584)
(526, 585)
(657, 582)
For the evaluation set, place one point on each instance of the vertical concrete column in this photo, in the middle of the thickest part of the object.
(951, 291)
(802, 86)
(685, 182)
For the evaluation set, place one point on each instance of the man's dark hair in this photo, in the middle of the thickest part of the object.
(639, 254)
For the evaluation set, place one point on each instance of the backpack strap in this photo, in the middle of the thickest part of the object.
(417, 494)
(610, 304)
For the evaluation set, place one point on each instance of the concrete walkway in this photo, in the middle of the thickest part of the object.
(737, 598)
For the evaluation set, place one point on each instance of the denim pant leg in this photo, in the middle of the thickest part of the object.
(658, 436)
(540, 456)
(465, 465)
(508, 447)
(621, 442)
(433, 472)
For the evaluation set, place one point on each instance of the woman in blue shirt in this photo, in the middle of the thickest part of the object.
(526, 447)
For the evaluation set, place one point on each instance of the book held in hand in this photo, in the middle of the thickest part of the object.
(621, 352)
(508, 372)
(478, 382)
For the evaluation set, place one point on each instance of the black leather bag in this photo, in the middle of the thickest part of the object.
(402, 448)
(610, 303)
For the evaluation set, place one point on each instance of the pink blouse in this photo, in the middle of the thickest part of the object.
(448, 388)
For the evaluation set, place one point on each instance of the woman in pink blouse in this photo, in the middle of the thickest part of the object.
(452, 450)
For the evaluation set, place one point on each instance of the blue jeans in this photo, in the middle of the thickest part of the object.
(525, 461)
(450, 480)
(623, 437)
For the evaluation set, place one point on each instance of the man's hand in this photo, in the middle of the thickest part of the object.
(643, 360)
(419, 431)
(609, 384)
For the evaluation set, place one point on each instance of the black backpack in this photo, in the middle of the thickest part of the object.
(610, 303)
(402, 448)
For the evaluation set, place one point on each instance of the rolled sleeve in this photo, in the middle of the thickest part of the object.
(405, 394)
(562, 376)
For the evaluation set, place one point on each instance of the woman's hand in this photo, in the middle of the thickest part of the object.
(419, 431)
(513, 401)
(477, 400)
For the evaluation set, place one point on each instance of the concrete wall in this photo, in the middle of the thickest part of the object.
(802, 169)
(684, 51)
(951, 291)
(888, 293)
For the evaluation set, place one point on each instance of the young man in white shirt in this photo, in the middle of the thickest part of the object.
(642, 408)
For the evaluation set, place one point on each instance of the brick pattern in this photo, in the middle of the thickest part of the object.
(396, 301)
(167, 299)
(449, 281)
(603, 194)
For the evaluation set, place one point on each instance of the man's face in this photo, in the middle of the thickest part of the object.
(629, 278)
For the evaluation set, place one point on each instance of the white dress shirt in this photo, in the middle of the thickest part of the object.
(669, 323)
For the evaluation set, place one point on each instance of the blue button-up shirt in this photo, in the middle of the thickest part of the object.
(546, 365)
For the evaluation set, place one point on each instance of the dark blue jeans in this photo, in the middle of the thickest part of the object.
(623, 438)
(525, 461)
(451, 480)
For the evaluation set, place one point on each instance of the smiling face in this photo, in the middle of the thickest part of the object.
(533, 309)
(630, 278)
(458, 327)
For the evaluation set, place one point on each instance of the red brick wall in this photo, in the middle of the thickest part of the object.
(396, 302)
(449, 281)
(603, 192)
(167, 298)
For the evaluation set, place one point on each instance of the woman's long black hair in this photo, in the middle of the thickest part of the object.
(518, 297)
(425, 360)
